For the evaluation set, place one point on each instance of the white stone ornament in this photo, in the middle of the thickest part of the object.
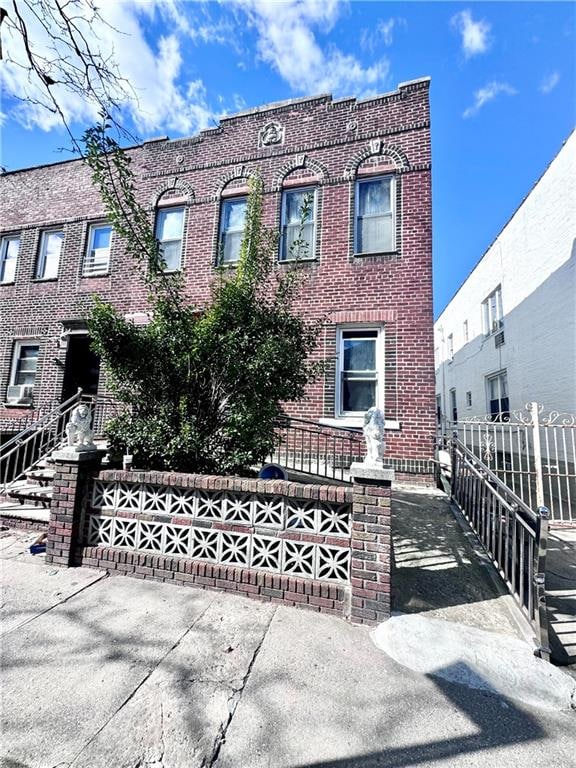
(272, 133)
(78, 430)
(374, 435)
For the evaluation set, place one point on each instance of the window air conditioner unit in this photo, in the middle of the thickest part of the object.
(19, 394)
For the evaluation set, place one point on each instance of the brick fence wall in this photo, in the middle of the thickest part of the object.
(323, 547)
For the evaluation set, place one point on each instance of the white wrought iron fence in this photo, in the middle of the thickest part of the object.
(532, 453)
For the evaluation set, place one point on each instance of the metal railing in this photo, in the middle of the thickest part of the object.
(25, 450)
(513, 535)
(533, 453)
(313, 449)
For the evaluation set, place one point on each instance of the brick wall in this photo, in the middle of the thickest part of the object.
(326, 142)
(305, 545)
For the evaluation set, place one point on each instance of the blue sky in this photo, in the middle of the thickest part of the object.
(502, 94)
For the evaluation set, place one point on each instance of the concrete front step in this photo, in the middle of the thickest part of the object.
(35, 493)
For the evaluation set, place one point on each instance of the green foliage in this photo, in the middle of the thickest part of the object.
(204, 386)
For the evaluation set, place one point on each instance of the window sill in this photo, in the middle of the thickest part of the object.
(311, 260)
(375, 253)
(356, 422)
(227, 264)
(8, 282)
(44, 280)
(18, 405)
(96, 274)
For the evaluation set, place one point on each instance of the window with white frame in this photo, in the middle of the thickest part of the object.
(298, 224)
(169, 232)
(23, 372)
(360, 371)
(497, 396)
(232, 223)
(374, 225)
(49, 255)
(97, 257)
(492, 315)
(9, 250)
(450, 344)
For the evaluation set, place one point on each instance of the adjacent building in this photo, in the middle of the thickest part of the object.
(508, 337)
(365, 167)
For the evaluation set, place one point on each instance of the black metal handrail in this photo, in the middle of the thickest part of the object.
(316, 449)
(513, 535)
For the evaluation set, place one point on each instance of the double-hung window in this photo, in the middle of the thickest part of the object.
(453, 406)
(8, 257)
(23, 372)
(97, 258)
(49, 255)
(169, 232)
(497, 391)
(375, 227)
(298, 224)
(360, 371)
(492, 315)
(232, 223)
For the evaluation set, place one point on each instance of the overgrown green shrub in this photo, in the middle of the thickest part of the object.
(204, 385)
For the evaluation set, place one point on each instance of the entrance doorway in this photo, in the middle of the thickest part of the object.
(82, 367)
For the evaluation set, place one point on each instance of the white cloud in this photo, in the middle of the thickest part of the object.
(475, 34)
(154, 96)
(287, 41)
(549, 82)
(488, 93)
(382, 33)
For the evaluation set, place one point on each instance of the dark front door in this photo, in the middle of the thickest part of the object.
(82, 367)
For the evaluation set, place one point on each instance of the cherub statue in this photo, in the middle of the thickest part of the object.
(78, 430)
(374, 435)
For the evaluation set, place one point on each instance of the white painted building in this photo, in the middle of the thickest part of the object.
(508, 336)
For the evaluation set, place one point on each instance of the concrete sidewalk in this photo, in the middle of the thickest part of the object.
(102, 672)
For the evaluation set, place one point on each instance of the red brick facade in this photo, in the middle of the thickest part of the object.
(326, 144)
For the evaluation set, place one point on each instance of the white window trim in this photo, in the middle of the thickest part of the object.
(166, 209)
(368, 179)
(220, 261)
(312, 251)
(90, 247)
(342, 416)
(18, 345)
(39, 274)
(6, 239)
(497, 375)
(490, 324)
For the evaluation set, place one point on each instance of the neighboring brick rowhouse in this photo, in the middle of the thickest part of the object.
(326, 548)
(327, 144)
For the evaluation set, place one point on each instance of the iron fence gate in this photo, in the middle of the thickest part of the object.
(514, 536)
(532, 453)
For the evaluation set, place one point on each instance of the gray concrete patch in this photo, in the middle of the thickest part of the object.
(72, 668)
(179, 716)
(477, 659)
(321, 695)
(437, 570)
(28, 587)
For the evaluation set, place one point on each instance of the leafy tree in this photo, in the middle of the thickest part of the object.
(204, 386)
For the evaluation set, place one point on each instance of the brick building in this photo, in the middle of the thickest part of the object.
(366, 165)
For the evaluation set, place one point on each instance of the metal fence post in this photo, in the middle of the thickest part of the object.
(540, 609)
(537, 455)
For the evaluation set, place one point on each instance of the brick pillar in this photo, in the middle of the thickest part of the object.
(72, 471)
(371, 543)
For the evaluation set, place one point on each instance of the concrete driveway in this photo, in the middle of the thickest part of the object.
(111, 672)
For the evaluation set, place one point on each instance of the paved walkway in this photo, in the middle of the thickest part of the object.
(109, 671)
(561, 594)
